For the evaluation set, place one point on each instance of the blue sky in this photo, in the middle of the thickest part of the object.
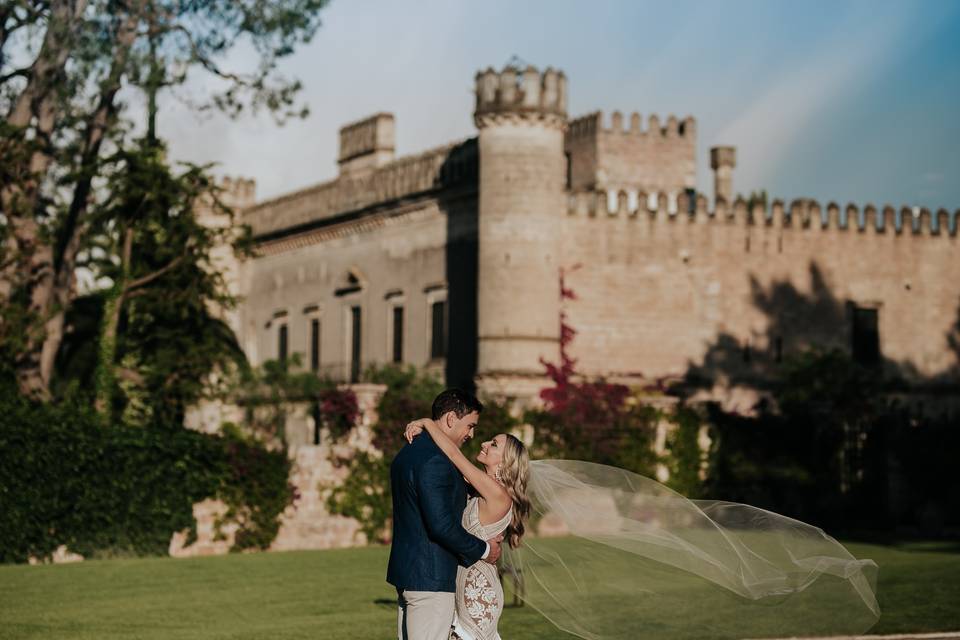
(848, 101)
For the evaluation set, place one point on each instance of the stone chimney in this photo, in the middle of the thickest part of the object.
(722, 161)
(366, 145)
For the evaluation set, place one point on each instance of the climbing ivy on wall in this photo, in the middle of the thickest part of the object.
(68, 478)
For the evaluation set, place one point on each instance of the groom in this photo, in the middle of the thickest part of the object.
(429, 496)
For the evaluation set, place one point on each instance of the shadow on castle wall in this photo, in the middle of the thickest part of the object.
(798, 322)
(953, 341)
(858, 446)
(461, 262)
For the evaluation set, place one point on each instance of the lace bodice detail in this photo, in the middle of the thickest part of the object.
(479, 594)
(471, 521)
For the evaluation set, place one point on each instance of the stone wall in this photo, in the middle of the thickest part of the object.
(658, 294)
(416, 248)
(428, 172)
(307, 524)
(410, 256)
(665, 286)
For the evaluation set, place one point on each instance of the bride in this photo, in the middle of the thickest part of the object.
(498, 506)
(621, 556)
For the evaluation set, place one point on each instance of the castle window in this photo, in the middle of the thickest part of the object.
(397, 335)
(314, 344)
(282, 343)
(438, 330)
(355, 341)
(315, 329)
(438, 321)
(865, 336)
(569, 169)
(395, 321)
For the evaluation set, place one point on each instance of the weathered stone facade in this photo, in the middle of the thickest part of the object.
(306, 524)
(469, 240)
(451, 260)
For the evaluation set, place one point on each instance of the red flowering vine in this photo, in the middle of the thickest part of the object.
(588, 419)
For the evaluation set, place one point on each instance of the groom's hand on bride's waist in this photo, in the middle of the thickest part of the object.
(494, 554)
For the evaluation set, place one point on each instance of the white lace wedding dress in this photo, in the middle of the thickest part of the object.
(479, 594)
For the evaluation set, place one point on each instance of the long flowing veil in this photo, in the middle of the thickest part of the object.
(617, 555)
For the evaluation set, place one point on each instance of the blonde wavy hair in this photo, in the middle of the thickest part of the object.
(514, 473)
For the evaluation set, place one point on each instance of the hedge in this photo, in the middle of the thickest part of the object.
(68, 479)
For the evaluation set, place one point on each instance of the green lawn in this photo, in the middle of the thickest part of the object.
(342, 594)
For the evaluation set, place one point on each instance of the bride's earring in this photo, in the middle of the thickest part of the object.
(496, 475)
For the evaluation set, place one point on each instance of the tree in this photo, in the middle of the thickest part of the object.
(160, 329)
(829, 440)
(62, 65)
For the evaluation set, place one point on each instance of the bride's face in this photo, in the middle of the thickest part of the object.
(491, 451)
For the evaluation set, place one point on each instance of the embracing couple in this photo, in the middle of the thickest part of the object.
(632, 540)
(446, 544)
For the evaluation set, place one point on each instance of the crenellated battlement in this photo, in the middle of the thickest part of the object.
(800, 214)
(521, 92)
(585, 126)
(238, 193)
(596, 122)
(615, 151)
(427, 172)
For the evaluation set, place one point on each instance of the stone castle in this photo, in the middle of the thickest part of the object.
(452, 260)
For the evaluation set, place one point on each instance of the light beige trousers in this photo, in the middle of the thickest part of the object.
(424, 615)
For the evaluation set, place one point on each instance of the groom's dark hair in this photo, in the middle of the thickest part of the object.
(456, 400)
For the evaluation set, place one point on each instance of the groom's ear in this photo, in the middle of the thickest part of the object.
(444, 421)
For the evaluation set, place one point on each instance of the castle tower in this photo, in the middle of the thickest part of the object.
(722, 161)
(521, 117)
(237, 194)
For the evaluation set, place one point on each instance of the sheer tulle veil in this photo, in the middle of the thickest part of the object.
(618, 555)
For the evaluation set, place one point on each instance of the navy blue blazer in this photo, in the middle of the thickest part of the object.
(429, 496)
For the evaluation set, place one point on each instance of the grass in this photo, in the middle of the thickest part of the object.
(341, 594)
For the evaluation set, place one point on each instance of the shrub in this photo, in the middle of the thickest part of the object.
(268, 393)
(836, 449)
(409, 395)
(68, 479)
(685, 457)
(602, 424)
(365, 494)
(591, 420)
